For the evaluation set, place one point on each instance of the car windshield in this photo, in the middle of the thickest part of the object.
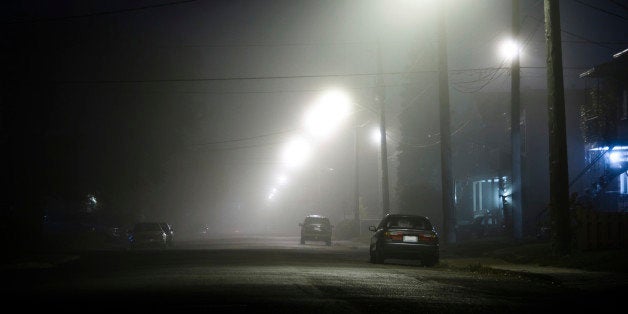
(409, 223)
(316, 220)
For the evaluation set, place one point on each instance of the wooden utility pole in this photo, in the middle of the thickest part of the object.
(356, 174)
(558, 168)
(515, 129)
(449, 218)
(382, 131)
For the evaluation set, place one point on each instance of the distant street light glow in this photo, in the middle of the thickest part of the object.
(327, 114)
(296, 152)
(272, 193)
(376, 136)
(282, 180)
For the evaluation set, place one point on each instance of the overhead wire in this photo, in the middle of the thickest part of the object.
(624, 6)
(563, 30)
(101, 13)
(600, 9)
(244, 138)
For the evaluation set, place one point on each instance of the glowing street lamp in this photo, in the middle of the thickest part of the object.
(376, 136)
(327, 114)
(272, 194)
(282, 180)
(296, 152)
(510, 49)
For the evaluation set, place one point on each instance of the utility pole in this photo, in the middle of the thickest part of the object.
(449, 219)
(515, 129)
(382, 131)
(558, 168)
(356, 174)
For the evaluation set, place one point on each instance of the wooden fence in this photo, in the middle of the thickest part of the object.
(601, 230)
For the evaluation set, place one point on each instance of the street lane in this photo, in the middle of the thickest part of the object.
(270, 274)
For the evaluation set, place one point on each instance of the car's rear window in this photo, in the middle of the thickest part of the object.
(316, 220)
(409, 223)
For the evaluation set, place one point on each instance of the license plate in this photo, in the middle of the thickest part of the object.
(410, 239)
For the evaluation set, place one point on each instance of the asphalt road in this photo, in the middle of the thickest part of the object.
(277, 274)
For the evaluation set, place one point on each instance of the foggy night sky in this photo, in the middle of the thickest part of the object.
(187, 103)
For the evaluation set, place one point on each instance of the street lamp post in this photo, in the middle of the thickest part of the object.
(449, 219)
(356, 174)
(382, 129)
(515, 129)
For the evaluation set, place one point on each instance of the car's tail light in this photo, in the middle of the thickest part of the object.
(394, 235)
(428, 237)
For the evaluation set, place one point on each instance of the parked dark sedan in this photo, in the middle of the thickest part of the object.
(404, 237)
(316, 228)
(167, 228)
(147, 234)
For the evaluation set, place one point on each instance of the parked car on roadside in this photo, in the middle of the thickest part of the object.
(203, 231)
(147, 234)
(167, 228)
(404, 237)
(316, 228)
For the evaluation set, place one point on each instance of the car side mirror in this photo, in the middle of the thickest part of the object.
(372, 228)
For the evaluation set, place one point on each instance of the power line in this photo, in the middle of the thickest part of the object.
(563, 30)
(247, 78)
(601, 10)
(625, 7)
(69, 17)
(487, 79)
(244, 138)
(234, 78)
(207, 149)
(280, 91)
(412, 145)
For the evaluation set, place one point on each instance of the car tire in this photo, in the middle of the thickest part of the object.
(328, 242)
(372, 259)
(378, 257)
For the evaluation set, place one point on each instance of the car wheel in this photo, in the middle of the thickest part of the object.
(372, 259)
(328, 242)
(378, 257)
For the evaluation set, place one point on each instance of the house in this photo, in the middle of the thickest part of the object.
(604, 121)
(483, 173)
(602, 211)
